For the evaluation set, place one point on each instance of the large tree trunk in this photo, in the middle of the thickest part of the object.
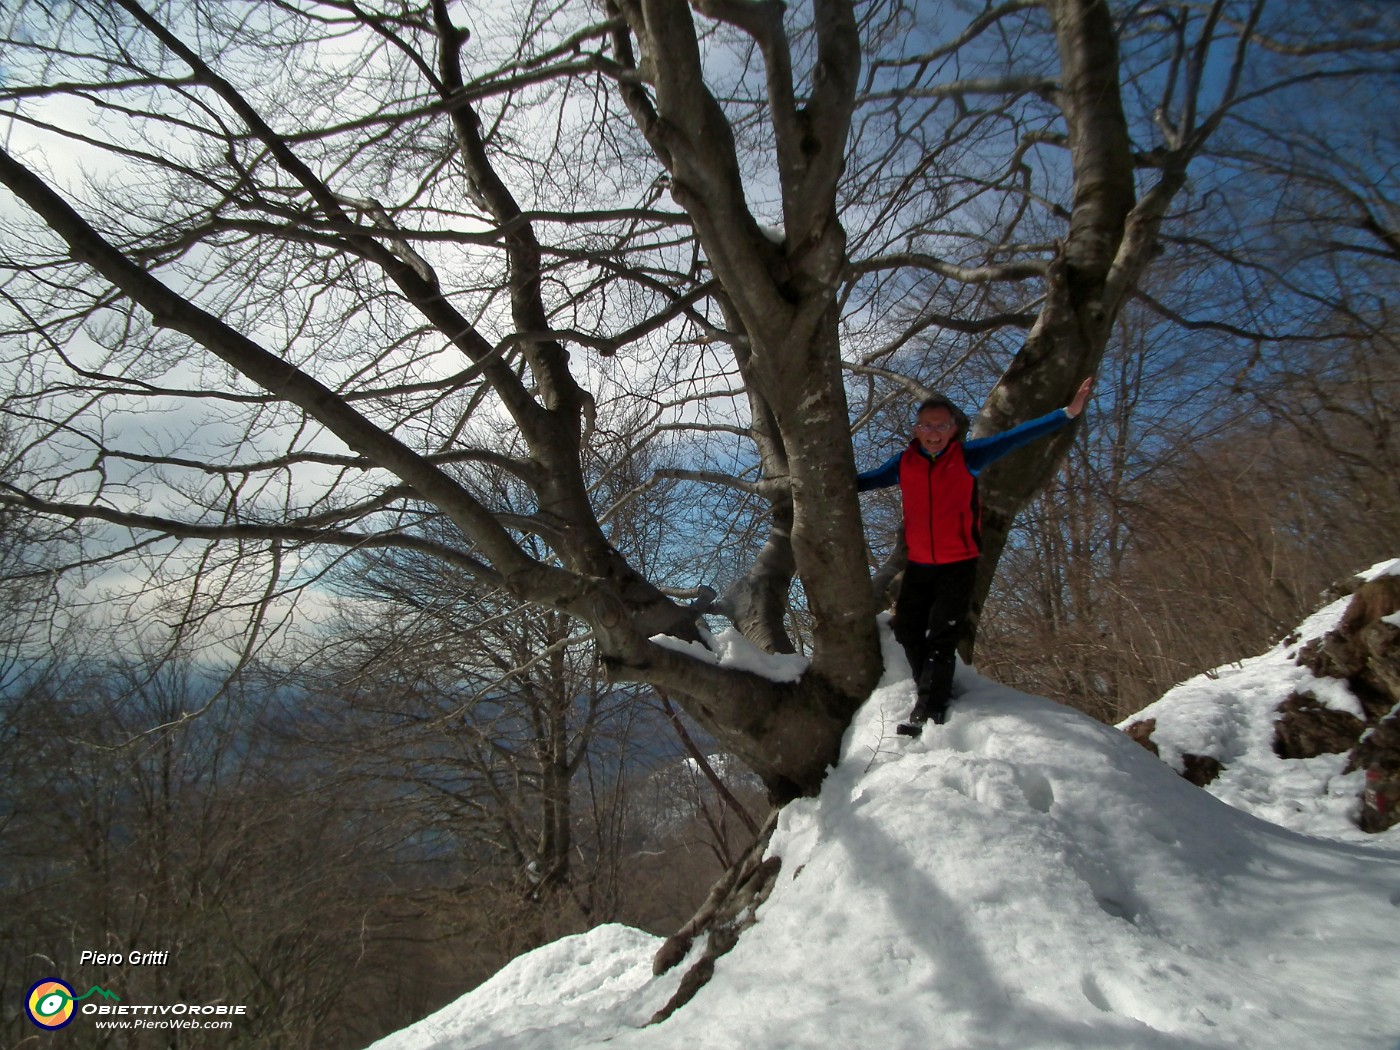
(783, 296)
(1068, 339)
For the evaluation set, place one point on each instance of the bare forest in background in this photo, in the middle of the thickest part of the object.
(386, 378)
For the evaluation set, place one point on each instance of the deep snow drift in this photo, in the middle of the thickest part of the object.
(1021, 877)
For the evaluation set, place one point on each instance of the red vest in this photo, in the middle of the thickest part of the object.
(942, 514)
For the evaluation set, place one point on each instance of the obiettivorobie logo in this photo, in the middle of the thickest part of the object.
(50, 1002)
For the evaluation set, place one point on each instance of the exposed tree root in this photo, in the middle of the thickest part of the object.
(727, 912)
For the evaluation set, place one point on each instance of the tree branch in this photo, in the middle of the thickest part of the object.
(315, 534)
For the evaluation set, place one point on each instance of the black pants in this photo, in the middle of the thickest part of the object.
(928, 615)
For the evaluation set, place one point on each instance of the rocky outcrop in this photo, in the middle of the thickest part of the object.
(1199, 769)
(1363, 650)
(1306, 728)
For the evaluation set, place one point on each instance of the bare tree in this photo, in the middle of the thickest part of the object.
(484, 718)
(1243, 456)
(321, 270)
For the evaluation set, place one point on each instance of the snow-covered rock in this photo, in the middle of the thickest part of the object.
(1306, 735)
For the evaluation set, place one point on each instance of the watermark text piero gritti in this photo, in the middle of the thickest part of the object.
(90, 958)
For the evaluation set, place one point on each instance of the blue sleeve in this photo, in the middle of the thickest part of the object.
(983, 452)
(882, 477)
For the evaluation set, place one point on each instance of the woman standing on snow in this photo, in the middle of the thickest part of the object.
(937, 478)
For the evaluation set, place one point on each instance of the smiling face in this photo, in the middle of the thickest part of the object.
(935, 429)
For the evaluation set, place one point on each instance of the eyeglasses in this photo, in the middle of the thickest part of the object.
(936, 428)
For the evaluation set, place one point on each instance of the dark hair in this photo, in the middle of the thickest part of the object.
(959, 416)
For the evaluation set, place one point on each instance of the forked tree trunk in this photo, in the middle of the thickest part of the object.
(1068, 339)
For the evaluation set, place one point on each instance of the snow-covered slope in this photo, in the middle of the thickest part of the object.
(1229, 713)
(1023, 877)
